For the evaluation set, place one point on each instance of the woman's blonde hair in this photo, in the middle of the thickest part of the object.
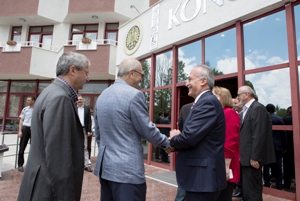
(225, 96)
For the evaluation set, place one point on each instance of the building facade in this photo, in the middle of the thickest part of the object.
(255, 43)
(245, 42)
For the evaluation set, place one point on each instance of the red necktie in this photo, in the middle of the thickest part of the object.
(193, 105)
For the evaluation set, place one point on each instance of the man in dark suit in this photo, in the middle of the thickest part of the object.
(84, 114)
(280, 143)
(200, 165)
(184, 112)
(288, 156)
(256, 143)
(54, 170)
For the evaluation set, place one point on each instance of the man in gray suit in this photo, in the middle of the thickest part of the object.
(54, 170)
(121, 121)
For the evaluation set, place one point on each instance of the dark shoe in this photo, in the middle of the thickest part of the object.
(237, 194)
(88, 169)
(21, 169)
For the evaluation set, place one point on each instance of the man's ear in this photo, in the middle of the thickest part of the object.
(72, 70)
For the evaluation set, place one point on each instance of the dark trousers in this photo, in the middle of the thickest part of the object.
(252, 183)
(203, 196)
(276, 170)
(114, 191)
(288, 167)
(89, 145)
(226, 194)
(26, 135)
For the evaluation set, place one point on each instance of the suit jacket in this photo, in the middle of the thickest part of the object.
(87, 119)
(232, 145)
(279, 137)
(54, 169)
(165, 131)
(200, 164)
(256, 140)
(121, 121)
(184, 112)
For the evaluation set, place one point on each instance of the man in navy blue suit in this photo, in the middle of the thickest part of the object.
(200, 165)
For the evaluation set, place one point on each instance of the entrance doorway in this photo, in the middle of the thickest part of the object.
(230, 83)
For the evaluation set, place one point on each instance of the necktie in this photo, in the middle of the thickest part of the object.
(193, 105)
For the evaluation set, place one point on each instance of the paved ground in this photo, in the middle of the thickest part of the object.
(161, 183)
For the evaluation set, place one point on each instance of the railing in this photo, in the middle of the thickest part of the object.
(10, 145)
(28, 44)
(99, 42)
(94, 148)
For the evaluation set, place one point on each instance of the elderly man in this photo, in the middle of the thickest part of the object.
(256, 143)
(121, 121)
(54, 170)
(200, 165)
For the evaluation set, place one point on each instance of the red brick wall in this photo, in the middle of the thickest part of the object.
(18, 7)
(79, 6)
(99, 58)
(15, 62)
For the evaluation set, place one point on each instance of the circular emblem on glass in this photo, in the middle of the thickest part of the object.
(133, 38)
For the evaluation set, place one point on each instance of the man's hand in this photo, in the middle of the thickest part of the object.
(174, 133)
(169, 150)
(254, 163)
(20, 134)
(89, 134)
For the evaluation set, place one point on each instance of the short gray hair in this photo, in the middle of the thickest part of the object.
(248, 90)
(206, 72)
(68, 59)
(126, 65)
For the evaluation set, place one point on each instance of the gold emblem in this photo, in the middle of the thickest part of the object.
(133, 38)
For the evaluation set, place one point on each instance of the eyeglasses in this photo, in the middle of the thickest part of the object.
(238, 95)
(142, 75)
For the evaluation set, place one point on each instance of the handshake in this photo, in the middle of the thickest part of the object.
(173, 133)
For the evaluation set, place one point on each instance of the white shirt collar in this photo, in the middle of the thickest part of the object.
(200, 95)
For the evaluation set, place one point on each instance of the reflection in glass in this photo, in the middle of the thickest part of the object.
(145, 148)
(157, 155)
(13, 107)
(86, 100)
(189, 56)
(93, 88)
(265, 41)
(297, 24)
(76, 39)
(22, 86)
(12, 125)
(162, 101)
(2, 103)
(3, 86)
(47, 41)
(147, 99)
(220, 52)
(269, 90)
(163, 69)
(43, 85)
(146, 65)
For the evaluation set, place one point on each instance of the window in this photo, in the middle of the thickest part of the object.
(220, 52)
(265, 41)
(189, 56)
(16, 34)
(111, 33)
(85, 30)
(41, 36)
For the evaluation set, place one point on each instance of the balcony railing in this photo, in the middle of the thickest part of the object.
(98, 42)
(17, 47)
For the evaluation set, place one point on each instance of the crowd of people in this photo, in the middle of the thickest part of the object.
(221, 142)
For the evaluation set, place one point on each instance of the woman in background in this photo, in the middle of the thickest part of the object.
(231, 145)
